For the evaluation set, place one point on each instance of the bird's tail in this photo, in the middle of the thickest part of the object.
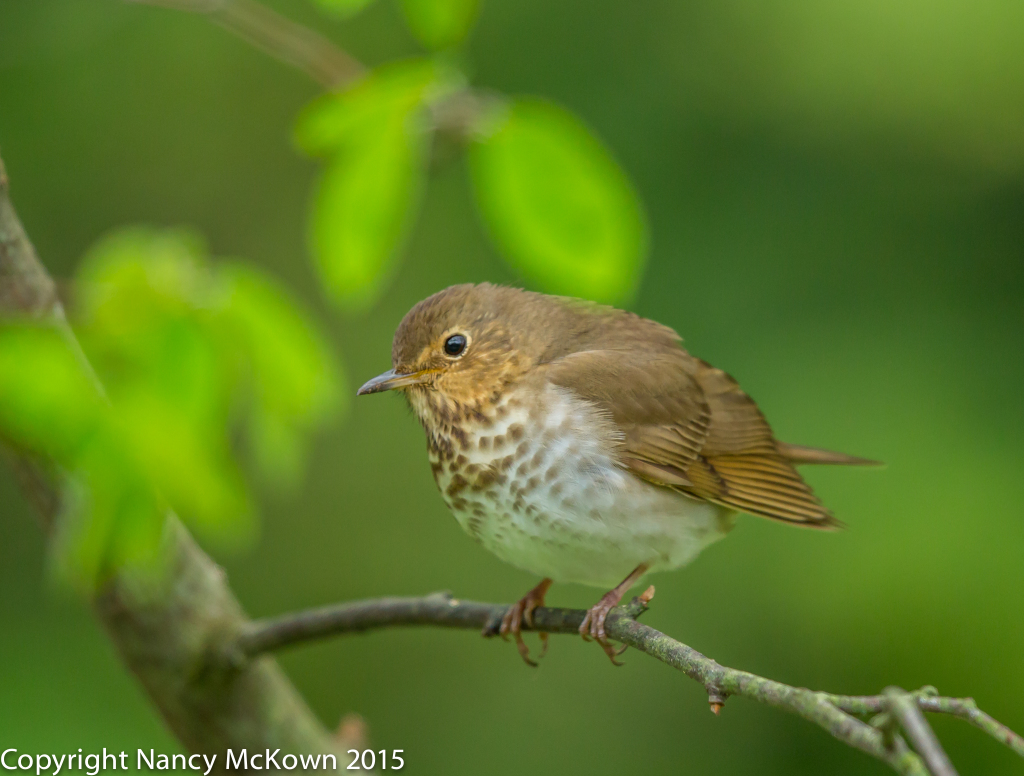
(798, 454)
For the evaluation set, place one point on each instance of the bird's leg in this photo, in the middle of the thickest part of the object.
(520, 612)
(593, 624)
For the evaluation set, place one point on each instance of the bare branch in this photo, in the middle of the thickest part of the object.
(437, 609)
(904, 708)
(837, 714)
(25, 288)
(281, 38)
(928, 700)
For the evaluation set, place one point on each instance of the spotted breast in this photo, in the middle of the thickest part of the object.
(534, 478)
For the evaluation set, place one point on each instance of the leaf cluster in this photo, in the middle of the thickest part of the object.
(197, 362)
(553, 199)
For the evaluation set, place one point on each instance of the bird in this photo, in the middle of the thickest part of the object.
(583, 443)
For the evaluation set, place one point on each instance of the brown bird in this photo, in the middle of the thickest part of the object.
(584, 444)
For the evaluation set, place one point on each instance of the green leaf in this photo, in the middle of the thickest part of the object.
(294, 380)
(375, 169)
(48, 403)
(112, 516)
(186, 353)
(362, 207)
(188, 463)
(397, 89)
(186, 347)
(342, 8)
(440, 24)
(51, 405)
(147, 302)
(557, 204)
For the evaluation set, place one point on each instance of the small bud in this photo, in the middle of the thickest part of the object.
(716, 701)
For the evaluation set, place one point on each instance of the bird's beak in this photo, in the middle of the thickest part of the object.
(391, 380)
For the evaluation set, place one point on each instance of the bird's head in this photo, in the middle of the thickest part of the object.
(463, 346)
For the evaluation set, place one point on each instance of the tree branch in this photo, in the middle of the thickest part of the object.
(169, 638)
(25, 288)
(905, 710)
(837, 714)
(455, 114)
(277, 36)
(928, 700)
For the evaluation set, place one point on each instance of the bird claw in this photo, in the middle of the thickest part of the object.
(612, 653)
(520, 612)
(543, 644)
(524, 651)
(592, 627)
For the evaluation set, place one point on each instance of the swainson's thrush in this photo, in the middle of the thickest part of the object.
(583, 443)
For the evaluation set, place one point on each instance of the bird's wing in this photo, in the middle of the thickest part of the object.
(741, 464)
(688, 426)
(656, 406)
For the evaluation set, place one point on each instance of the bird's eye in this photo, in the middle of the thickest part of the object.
(455, 344)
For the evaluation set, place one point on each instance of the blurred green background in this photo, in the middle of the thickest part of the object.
(836, 200)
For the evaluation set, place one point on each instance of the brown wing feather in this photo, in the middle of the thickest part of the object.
(688, 426)
(741, 450)
(801, 454)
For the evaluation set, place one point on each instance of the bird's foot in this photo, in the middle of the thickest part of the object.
(522, 612)
(592, 626)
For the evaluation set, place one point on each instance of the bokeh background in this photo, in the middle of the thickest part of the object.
(836, 201)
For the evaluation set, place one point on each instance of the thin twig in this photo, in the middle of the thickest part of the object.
(835, 713)
(455, 113)
(903, 706)
(964, 708)
(281, 38)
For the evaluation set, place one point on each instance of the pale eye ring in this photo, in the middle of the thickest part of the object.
(455, 345)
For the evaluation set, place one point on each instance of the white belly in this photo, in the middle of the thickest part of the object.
(546, 495)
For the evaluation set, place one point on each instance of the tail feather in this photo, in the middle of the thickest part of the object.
(800, 454)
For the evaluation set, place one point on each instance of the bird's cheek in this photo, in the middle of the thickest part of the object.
(453, 386)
